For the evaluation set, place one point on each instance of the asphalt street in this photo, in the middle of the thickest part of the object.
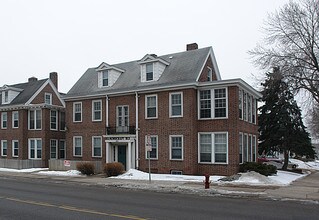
(25, 198)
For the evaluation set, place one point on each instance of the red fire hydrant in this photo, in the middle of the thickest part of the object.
(206, 182)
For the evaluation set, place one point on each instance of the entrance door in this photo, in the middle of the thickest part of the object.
(121, 154)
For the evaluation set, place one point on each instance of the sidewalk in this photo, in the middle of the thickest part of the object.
(304, 189)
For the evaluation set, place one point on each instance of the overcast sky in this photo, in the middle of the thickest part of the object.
(69, 36)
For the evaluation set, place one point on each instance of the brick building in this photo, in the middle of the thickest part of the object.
(177, 105)
(32, 116)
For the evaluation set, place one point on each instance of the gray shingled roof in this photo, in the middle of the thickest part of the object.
(184, 68)
(29, 89)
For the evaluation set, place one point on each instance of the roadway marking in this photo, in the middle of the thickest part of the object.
(71, 208)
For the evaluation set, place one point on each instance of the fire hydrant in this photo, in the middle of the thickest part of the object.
(206, 182)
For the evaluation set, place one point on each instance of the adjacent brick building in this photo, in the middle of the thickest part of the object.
(177, 105)
(32, 116)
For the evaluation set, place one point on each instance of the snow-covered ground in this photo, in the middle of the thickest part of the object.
(250, 178)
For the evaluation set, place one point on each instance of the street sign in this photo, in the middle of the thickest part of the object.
(148, 146)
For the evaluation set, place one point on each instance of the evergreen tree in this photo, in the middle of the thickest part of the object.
(280, 122)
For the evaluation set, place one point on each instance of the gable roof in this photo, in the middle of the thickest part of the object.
(28, 89)
(183, 69)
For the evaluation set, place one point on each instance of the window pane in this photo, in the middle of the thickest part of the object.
(205, 147)
(205, 104)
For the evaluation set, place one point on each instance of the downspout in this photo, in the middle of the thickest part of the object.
(107, 150)
(137, 130)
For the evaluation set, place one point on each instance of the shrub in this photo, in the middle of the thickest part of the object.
(113, 169)
(85, 168)
(264, 169)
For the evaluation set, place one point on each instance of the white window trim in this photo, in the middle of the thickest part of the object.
(2, 114)
(213, 147)
(242, 147)
(62, 140)
(74, 137)
(146, 117)
(170, 105)
(170, 147)
(254, 147)
(35, 119)
(212, 100)
(56, 120)
(56, 148)
(102, 78)
(14, 120)
(209, 74)
(15, 141)
(245, 136)
(153, 67)
(2, 143)
(35, 149)
(45, 95)
(100, 146)
(75, 103)
(93, 111)
(146, 156)
(117, 114)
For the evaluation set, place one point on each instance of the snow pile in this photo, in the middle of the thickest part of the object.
(253, 178)
(133, 174)
(31, 170)
(60, 173)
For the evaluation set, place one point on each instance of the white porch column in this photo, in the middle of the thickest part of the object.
(107, 153)
(129, 162)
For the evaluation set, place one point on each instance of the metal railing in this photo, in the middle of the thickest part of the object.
(121, 130)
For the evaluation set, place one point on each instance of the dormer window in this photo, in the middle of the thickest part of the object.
(108, 75)
(152, 67)
(6, 96)
(149, 72)
(105, 78)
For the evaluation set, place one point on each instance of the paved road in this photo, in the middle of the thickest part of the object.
(22, 198)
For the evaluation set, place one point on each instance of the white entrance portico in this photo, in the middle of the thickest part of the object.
(121, 148)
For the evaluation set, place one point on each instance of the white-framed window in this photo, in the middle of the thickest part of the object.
(15, 119)
(62, 150)
(209, 74)
(96, 110)
(245, 106)
(213, 103)
(176, 104)
(176, 147)
(254, 111)
(105, 78)
(62, 121)
(249, 106)
(15, 148)
(35, 148)
(96, 146)
(240, 144)
(4, 148)
(213, 147)
(48, 98)
(4, 120)
(249, 148)
(35, 119)
(240, 98)
(54, 120)
(6, 97)
(254, 149)
(245, 148)
(153, 154)
(149, 72)
(151, 106)
(53, 149)
(122, 118)
(77, 112)
(77, 146)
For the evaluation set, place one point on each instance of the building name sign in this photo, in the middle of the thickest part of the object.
(117, 139)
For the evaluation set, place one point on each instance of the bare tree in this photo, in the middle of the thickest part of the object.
(313, 121)
(292, 43)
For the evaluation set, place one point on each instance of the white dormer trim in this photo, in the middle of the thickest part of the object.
(9, 94)
(159, 66)
(113, 74)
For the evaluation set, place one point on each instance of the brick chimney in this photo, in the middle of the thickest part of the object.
(192, 46)
(32, 79)
(54, 79)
